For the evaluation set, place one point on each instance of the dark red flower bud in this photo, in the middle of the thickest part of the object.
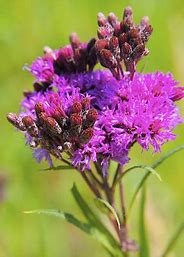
(58, 114)
(144, 22)
(138, 52)
(74, 40)
(105, 32)
(101, 44)
(53, 126)
(114, 47)
(112, 19)
(76, 107)
(30, 125)
(178, 94)
(107, 59)
(86, 103)
(86, 135)
(42, 118)
(39, 108)
(122, 39)
(102, 21)
(15, 121)
(127, 12)
(91, 44)
(91, 117)
(127, 49)
(91, 57)
(126, 25)
(66, 53)
(146, 33)
(133, 33)
(76, 119)
(113, 43)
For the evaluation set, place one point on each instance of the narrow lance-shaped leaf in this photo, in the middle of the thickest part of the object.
(87, 228)
(60, 167)
(101, 233)
(143, 167)
(63, 215)
(144, 248)
(106, 208)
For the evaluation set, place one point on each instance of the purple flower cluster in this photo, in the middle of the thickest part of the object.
(98, 115)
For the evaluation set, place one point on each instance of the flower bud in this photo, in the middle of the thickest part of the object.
(86, 135)
(58, 114)
(178, 94)
(102, 21)
(114, 47)
(112, 19)
(76, 107)
(39, 108)
(15, 121)
(86, 103)
(104, 32)
(74, 40)
(138, 52)
(126, 49)
(107, 59)
(53, 126)
(101, 44)
(75, 119)
(122, 39)
(127, 12)
(30, 125)
(144, 22)
(91, 117)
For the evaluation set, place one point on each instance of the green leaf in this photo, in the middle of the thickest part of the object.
(60, 167)
(154, 166)
(173, 240)
(100, 232)
(166, 156)
(88, 228)
(142, 166)
(153, 171)
(63, 215)
(144, 248)
(106, 208)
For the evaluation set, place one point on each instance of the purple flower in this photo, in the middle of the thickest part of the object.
(98, 115)
(141, 111)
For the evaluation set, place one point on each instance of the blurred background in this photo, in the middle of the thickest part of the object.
(25, 28)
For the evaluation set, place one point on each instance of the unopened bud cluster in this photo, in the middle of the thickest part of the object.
(76, 57)
(55, 129)
(121, 41)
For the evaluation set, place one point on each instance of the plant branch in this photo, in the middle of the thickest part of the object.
(91, 186)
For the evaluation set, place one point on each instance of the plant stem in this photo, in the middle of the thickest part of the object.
(115, 177)
(122, 197)
(95, 179)
(91, 186)
(123, 230)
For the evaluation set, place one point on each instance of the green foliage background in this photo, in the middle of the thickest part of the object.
(27, 26)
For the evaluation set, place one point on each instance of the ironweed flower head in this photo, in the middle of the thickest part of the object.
(57, 124)
(98, 115)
